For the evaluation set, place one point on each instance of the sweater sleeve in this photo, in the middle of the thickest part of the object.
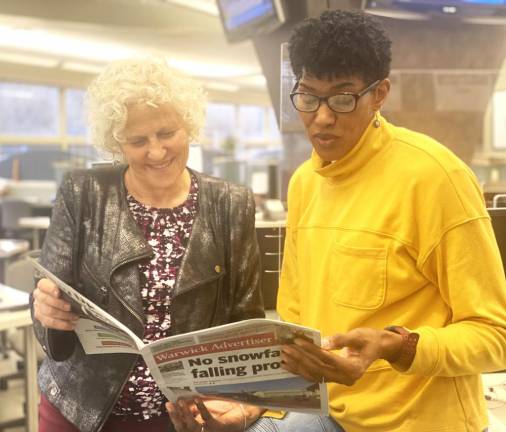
(466, 267)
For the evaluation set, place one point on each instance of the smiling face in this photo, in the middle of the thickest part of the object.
(155, 147)
(333, 134)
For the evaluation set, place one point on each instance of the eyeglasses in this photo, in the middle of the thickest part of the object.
(345, 102)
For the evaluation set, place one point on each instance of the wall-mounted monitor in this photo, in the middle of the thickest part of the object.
(481, 7)
(244, 19)
(426, 8)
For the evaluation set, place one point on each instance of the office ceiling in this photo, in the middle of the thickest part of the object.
(83, 35)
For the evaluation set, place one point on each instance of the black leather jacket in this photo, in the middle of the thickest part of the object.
(94, 244)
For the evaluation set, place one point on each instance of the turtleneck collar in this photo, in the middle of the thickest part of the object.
(371, 142)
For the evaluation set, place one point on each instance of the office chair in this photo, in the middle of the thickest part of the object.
(11, 210)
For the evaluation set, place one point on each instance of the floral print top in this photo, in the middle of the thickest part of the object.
(167, 230)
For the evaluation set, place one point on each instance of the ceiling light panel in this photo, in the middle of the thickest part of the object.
(61, 45)
(206, 6)
(210, 70)
(26, 59)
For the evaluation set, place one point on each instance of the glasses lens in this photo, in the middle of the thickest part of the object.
(342, 103)
(305, 102)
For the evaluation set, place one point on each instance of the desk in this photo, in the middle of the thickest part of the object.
(12, 299)
(11, 318)
(9, 248)
(261, 223)
(37, 224)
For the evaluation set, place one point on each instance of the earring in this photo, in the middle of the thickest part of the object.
(376, 122)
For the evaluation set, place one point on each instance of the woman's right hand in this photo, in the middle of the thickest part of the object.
(50, 309)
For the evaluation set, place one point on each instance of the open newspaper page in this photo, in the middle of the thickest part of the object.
(239, 361)
(98, 331)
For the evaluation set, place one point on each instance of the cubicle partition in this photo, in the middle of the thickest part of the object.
(498, 216)
(271, 238)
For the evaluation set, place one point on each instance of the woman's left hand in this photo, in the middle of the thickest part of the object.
(211, 416)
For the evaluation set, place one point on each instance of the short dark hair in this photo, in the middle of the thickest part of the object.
(341, 44)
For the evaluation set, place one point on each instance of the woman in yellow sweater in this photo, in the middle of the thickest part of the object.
(389, 251)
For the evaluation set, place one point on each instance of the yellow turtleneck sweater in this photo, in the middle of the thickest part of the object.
(396, 232)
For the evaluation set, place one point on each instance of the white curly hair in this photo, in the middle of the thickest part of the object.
(129, 82)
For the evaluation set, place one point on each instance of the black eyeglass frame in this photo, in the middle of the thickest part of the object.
(356, 96)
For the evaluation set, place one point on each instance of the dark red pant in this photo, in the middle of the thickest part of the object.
(51, 420)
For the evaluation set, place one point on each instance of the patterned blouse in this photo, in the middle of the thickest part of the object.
(167, 230)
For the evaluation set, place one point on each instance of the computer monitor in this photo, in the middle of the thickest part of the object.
(244, 19)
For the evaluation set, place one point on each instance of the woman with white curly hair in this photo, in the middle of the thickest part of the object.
(162, 248)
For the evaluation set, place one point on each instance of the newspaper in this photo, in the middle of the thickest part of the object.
(240, 361)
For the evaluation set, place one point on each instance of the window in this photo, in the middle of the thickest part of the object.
(246, 124)
(75, 110)
(272, 126)
(240, 142)
(252, 122)
(43, 132)
(39, 138)
(28, 110)
(220, 123)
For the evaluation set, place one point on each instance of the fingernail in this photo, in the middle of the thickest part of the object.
(284, 359)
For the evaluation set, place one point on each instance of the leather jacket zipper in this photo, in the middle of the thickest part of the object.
(118, 297)
(127, 306)
(101, 286)
(139, 318)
